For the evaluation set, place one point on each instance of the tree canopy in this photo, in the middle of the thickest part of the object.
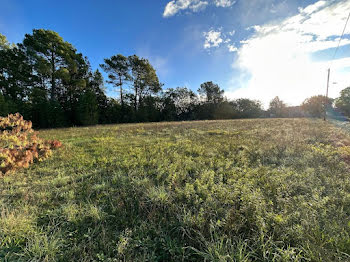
(315, 106)
(277, 107)
(343, 102)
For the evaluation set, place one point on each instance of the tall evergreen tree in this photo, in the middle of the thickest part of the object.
(60, 68)
(144, 78)
(211, 92)
(16, 77)
(117, 68)
(95, 84)
(88, 108)
(52, 57)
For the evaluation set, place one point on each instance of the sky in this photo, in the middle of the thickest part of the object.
(255, 49)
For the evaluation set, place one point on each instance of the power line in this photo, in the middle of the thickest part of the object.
(329, 69)
(336, 50)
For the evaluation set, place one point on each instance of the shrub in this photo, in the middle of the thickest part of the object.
(20, 146)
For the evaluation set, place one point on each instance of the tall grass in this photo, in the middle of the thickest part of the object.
(241, 190)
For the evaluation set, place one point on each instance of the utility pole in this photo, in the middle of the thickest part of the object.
(326, 100)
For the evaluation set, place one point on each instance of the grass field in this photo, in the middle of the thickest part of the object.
(240, 190)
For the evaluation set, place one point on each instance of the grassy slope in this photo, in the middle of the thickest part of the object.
(242, 190)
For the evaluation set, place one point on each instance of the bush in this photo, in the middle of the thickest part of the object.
(19, 144)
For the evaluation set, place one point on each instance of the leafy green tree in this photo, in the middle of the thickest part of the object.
(247, 108)
(53, 57)
(88, 108)
(224, 111)
(178, 103)
(95, 84)
(315, 106)
(144, 78)
(149, 111)
(16, 77)
(277, 108)
(4, 44)
(39, 107)
(211, 92)
(117, 68)
(74, 84)
(62, 71)
(57, 115)
(114, 113)
(343, 102)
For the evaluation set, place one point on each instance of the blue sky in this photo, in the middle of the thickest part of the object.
(251, 48)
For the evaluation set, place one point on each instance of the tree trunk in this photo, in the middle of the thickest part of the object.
(121, 91)
(135, 99)
(53, 80)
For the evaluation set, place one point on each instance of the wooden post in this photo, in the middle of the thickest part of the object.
(326, 102)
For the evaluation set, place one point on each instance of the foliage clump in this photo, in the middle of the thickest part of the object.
(20, 146)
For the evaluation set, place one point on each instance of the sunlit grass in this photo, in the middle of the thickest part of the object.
(241, 190)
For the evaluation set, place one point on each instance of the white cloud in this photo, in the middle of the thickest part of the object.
(232, 48)
(216, 38)
(232, 32)
(224, 3)
(201, 5)
(175, 6)
(212, 39)
(279, 57)
(312, 8)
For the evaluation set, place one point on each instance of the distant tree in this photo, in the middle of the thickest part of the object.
(57, 115)
(211, 92)
(88, 108)
(44, 79)
(277, 108)
(178, 104)
(74, 83)
(343, 102)
(40, 107)
(117, 68)
(95, 84)
(150, 109)
(144, 78)
(246, 108)
(61, 70)
(52, 56)
(16, 77)
(294, 111)
(315, 105)
(4, 44)
(224, 111)
(114, 112)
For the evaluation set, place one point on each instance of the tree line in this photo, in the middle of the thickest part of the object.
(49, 82)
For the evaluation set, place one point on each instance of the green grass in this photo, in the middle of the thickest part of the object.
(241, 190)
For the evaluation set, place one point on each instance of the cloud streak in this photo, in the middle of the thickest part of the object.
(175, 6)
(224, 3)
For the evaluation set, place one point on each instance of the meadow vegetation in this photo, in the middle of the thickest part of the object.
(233, 190)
